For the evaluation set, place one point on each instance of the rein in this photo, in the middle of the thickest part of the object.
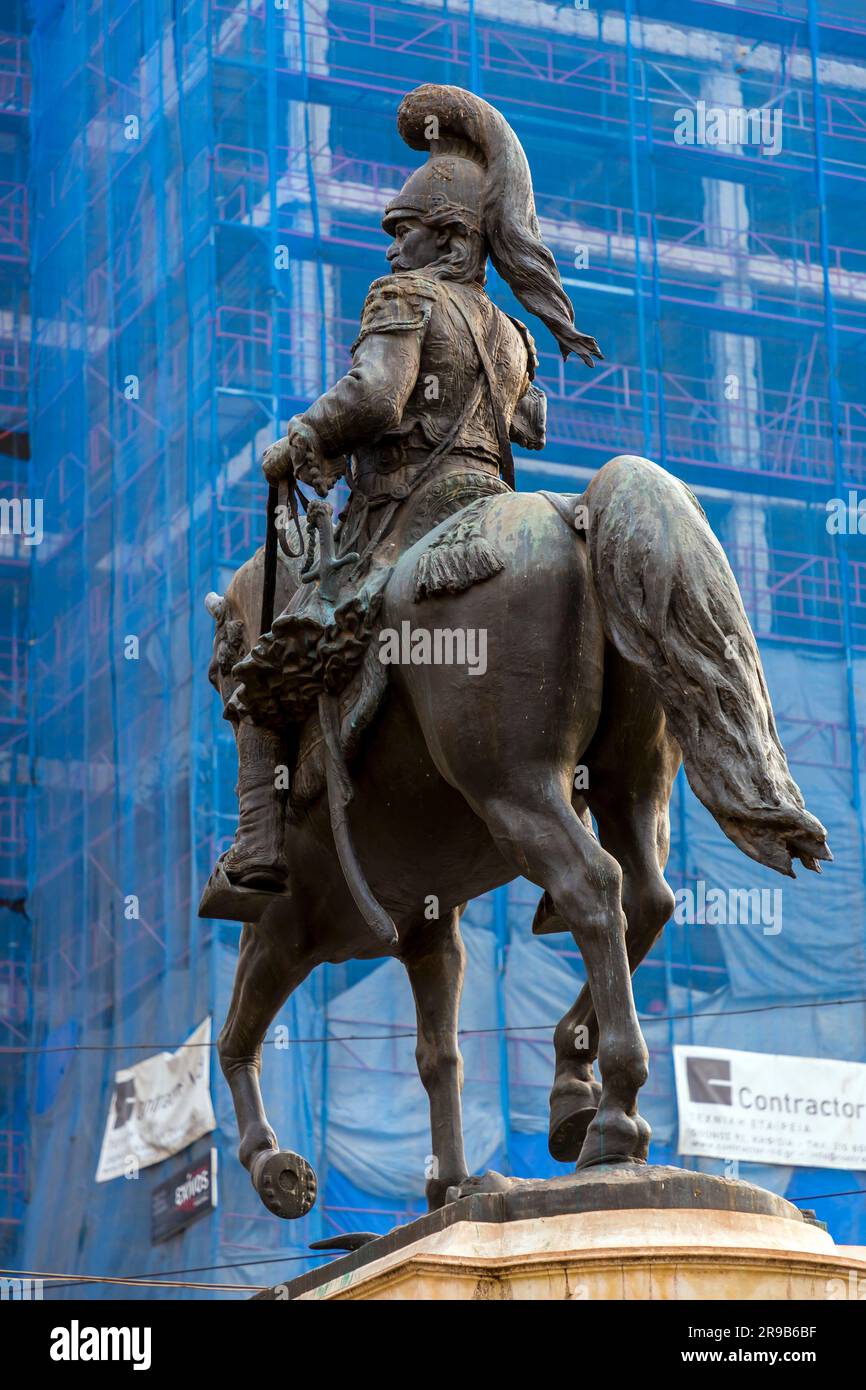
(274, 536)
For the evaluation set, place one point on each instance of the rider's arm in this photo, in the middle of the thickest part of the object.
(369, 400)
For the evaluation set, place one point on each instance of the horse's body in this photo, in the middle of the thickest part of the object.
(607, 652)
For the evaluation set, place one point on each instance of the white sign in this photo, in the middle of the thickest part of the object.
(159, 1106)
(800, 1111)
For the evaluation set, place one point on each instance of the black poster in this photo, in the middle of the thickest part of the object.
(183, 1198)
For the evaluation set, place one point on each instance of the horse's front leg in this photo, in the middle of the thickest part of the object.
(434, 957)
(269, 968)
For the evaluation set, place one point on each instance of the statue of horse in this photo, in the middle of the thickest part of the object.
(616, 641)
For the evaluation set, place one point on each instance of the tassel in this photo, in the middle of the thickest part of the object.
(450, 568)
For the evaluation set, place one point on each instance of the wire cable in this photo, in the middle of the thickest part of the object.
(159, 1280)
(143, 1283)
(410, 1033)
(76, 1279)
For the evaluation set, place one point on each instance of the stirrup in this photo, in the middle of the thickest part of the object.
(231, 902)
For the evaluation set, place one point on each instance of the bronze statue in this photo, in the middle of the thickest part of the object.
(385, 780)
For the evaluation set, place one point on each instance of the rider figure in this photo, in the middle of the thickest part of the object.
(441, 382)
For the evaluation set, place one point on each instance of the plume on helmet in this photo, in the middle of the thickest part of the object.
(465, 126)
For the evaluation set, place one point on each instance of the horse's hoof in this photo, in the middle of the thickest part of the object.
(572, 1111)
(615, 1138)
(605, 1161)
(285, 1182)
(567, 1134)
(491, 1181)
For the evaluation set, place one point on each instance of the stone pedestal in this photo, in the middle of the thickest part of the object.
(623, 1232)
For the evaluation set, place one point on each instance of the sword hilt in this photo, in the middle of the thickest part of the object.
(319, 515)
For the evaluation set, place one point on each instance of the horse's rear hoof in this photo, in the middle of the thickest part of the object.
(573, 1107)
(285, 1182)
(567, 1134)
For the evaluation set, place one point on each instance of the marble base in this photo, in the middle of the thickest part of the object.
(612, 1233)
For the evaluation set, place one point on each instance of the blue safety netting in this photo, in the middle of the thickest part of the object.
(204, 183)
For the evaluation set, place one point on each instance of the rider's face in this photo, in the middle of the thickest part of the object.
(415, 245)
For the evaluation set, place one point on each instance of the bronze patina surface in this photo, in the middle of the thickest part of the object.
(376, 799)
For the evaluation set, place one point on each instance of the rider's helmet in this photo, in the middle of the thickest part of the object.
(477, 174)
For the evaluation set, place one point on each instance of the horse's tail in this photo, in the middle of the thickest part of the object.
(671, 606)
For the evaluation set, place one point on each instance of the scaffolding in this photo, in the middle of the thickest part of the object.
(206, 180)
(15, 945)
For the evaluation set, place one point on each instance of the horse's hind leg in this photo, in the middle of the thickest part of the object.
(538, 830)
(269, 968)
(647, 903)
(631, 765)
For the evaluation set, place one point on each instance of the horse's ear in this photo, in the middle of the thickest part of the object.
(215, 605)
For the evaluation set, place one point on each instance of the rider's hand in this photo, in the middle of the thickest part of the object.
(277, 461)
(301, 451)
(297, 450)
(311, 465)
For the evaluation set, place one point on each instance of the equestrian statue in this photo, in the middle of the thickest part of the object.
(384, 779)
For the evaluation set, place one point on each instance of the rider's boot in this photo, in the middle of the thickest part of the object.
(257, 857)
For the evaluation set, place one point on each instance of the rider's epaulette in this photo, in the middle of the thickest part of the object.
(529, 343)
(397, 303)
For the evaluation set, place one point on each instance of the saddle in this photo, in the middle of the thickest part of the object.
(315, 647)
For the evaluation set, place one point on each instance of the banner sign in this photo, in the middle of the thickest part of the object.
(804, 1112)
(189, 1194)
(159, 1106)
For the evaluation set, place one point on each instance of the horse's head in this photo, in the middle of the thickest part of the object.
(237, 613)
(229, 642)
